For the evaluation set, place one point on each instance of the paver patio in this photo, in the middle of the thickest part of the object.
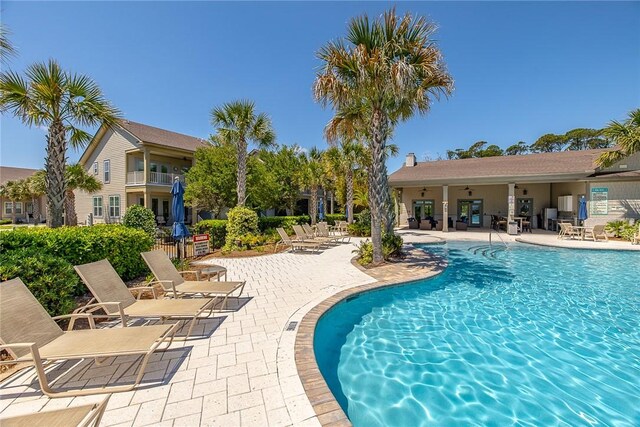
(244, 372)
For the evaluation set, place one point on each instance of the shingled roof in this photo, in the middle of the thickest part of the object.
(570, 163)
(8, 173)
(154, 135)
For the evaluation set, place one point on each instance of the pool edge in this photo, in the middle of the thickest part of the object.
(326, 407)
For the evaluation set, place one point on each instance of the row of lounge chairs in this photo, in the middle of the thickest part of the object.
(30, 334)
(306, 238)
(569, 231)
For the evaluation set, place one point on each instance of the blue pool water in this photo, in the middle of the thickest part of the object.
(526, 336)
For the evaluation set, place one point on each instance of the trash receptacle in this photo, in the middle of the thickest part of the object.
(512, 228)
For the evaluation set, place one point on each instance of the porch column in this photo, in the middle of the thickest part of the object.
(146, 194)
(445, 208)
(147, 165)
(511, 202)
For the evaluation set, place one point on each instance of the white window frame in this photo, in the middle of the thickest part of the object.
(114, 197)
(98, 209)
(95, 168)
(18, 208)
(8, 208)
(106, 171)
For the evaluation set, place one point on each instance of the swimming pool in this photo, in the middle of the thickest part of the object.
(526, 336)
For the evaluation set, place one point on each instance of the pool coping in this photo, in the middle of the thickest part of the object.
(326, 407)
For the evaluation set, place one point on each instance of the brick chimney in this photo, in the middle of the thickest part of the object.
(411, 160)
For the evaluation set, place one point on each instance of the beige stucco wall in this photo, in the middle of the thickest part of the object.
(494, 199)
(112, 147)
(623, 200)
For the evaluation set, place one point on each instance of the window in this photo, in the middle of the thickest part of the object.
(107, 171)
(97, 206)
(95, 168)
(8, 208)
(139, 165)
(18, 206)
(114, 206)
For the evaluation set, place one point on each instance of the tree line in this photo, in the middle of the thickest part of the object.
(575, 139)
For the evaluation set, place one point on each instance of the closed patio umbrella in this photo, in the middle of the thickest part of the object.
(179, 230)
(321, 210)
(582, 209)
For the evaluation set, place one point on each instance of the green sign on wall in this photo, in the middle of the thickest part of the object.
(599, 201)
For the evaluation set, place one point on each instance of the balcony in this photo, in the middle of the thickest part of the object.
(155, 178)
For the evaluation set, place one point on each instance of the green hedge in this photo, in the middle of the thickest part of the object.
(50, 278)
(79, 245)
(215, 228)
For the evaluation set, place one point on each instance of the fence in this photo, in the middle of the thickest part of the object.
(170, 246)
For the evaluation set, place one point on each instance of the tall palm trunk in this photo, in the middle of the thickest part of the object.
(55, 166)
(71, 218)
(349, 179)
(13, 212)
(378, 190)
(313, 204)
(242, 172)
(35, 202)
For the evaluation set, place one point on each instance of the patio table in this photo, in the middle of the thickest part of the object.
(218, 270)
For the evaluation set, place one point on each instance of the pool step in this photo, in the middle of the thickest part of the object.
(487, 251)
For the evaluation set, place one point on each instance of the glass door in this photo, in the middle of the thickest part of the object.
(423, 209)
(470, 212)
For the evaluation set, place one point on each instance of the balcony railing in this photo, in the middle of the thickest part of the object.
(157, 178)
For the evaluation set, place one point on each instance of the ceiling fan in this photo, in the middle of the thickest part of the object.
(468, 190)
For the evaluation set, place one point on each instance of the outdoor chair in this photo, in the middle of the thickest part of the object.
(425, 225)
(173, 283)
(323, 231)
(567, 230)
(526, 224)
(295, 244)
(116, 300)
(598, 232)
(31, 335)
(77, 416)
(306, 230)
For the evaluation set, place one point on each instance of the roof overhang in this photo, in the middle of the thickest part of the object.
(492, 180)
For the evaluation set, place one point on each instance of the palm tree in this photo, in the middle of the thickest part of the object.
(59, 100)
(12, 190)
(382, 73)
(77, 179)
(626, 136)
(344, 159)
(312, 177)
(6, 47)
(36, 188)
(237, 123)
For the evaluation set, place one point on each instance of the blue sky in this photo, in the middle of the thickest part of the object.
(520, 69)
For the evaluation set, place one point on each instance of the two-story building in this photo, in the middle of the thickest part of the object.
(21, 211)
(136, 164)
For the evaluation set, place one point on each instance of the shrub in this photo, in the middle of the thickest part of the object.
(362, 224)
(141, 218)
(622, 229)
(241, 222)
(51, 279)
(333, 218)
(5, 221)
(215, 228)
(391, 247)
(79, 245)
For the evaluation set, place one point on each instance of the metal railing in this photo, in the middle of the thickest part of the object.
(491, 231)
(171, 247)
(161, 178)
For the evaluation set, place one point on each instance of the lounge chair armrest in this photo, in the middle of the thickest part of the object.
(138, 291)
(196, 272)
(33, 347)
(169, 289)
(74, 316)
(91, 308)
